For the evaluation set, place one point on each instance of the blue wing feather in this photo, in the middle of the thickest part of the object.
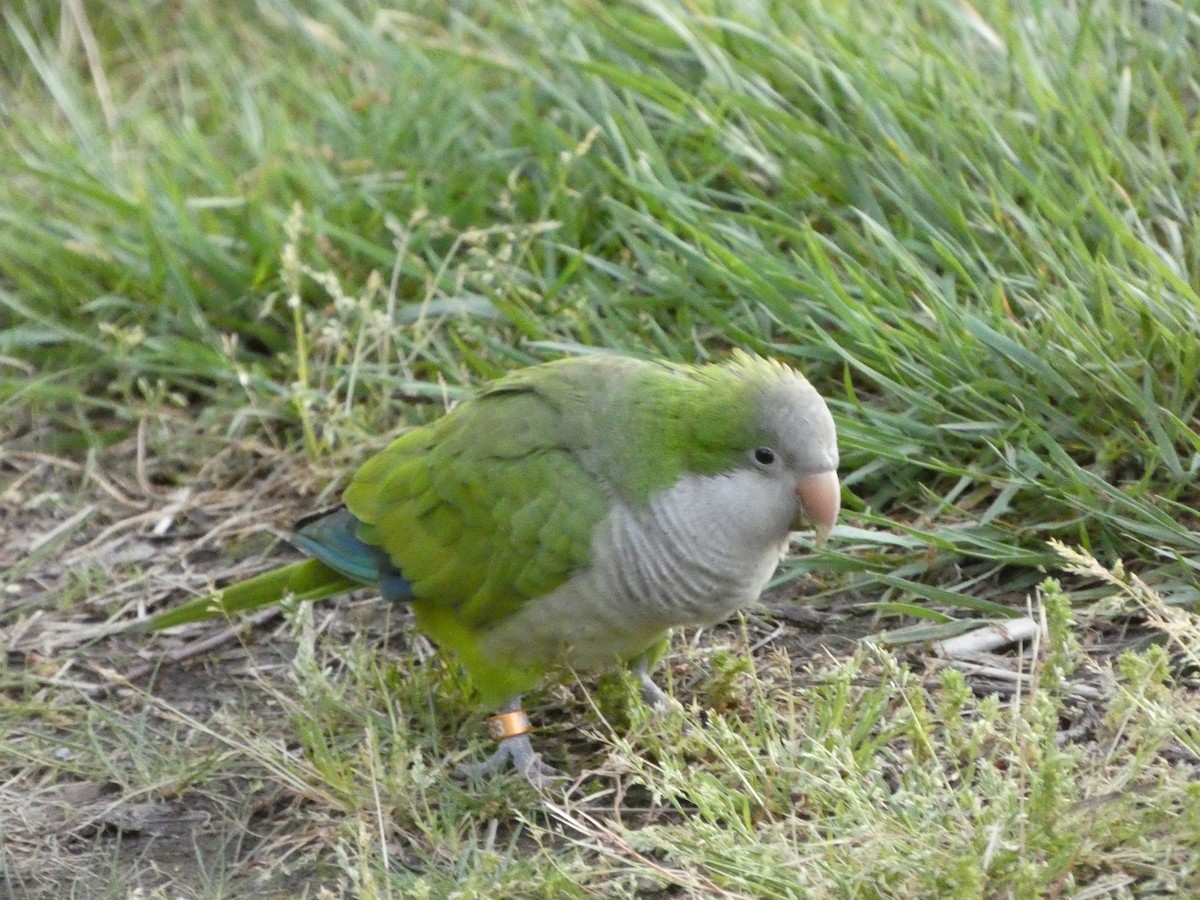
(333, 539)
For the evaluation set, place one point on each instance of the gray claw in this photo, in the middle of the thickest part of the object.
(518, 751)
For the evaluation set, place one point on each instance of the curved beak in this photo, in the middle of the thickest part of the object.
(820, 497)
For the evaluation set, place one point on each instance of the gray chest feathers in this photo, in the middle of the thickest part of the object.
(703, 549)
(699, 551)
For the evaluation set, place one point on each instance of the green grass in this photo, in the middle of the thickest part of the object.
(241, 243)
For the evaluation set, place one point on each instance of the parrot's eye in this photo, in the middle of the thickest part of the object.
(764, 456)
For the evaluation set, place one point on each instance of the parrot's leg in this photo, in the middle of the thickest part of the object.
(652, 695)
(660, 702)
(510, 727)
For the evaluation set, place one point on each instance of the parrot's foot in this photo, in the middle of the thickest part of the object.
(652, 695)
(660, 702)
(518, 751)
(510, 727)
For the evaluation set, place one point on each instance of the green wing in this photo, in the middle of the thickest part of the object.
(483, 510)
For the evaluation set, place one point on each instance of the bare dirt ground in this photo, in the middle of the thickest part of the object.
(90, 547)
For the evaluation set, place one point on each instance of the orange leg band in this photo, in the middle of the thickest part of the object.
(508, 724)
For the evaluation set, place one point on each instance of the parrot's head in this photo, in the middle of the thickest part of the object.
(779, 448)
(747, 444)
(796, 450)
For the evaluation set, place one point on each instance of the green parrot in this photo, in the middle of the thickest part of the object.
(571, 514)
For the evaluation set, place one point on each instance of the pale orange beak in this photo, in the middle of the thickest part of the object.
(820, 499)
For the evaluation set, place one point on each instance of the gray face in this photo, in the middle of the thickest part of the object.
(798, 423)
(794, 472)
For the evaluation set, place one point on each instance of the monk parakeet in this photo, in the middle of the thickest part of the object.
(571, 514)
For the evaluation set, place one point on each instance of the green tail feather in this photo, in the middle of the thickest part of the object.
(307, 580)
